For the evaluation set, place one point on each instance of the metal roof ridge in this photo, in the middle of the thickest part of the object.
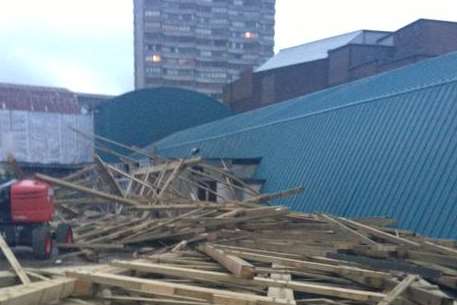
(322, 40)
(298, 117)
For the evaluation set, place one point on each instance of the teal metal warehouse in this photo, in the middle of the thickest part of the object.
(382, 146)
(140, 117)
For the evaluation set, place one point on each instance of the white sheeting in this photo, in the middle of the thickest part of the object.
(45, 138)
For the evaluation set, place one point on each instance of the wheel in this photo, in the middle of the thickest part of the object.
(42, 242)
(10, 234)
(64, 234)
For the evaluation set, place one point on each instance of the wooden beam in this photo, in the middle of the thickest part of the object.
(87, 190)
(214, 296)
(380, 234)
(171, 178)
(107, 177)
(118, 299)
(398, 290)
(280, 292)
(143, 183)
(306, 265)
(272, 196)
(218, 277)
(349, 230)
(440, 248)
(94, 246)
(167, 166)
(38, 293)
(239, 267)
(13, 261)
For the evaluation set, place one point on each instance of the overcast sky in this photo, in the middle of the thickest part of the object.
(87, 45)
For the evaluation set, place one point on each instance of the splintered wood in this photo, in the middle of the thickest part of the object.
(193, 232)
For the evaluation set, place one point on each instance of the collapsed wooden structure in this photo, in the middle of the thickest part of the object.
(193, 232)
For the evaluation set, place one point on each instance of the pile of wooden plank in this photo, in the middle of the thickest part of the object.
(276, 257)
(169, 236)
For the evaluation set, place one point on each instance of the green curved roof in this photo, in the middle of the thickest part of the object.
(144, 116)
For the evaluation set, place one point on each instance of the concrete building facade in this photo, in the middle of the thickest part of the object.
(336, 60)
(200, 44)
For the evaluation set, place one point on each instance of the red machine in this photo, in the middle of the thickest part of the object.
(26, 208)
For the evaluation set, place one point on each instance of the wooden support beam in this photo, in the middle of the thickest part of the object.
(107, 177)
(306, 265)
(380, 234)
(440, 248)
(214, 296)
(279, 195)
(143, 183)
(38, 293)
(156, 301)
(280, 292)
(87, 190)
(79, 173)
(13, 261)
(171, 178)
(349, 230)
(398, 290)
(217, 277)
(167, 166)
(94, 246)
(239, 267)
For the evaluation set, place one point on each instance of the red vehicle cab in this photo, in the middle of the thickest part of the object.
(26, 212)
(31, 202)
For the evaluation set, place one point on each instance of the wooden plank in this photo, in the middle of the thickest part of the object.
(168, 166)
(107, 177)
(380, 234)
(214, 296)
(155, 301)
(79, 173)
(94, 246)
(234, 264)
(307, 265)
(38, 293)
(445, 260)
(398, 290)
(13, 261)
(280, 292)
(171, 178)
(440, 248)
(143, 183)
(426, 294)
(349, 230)
(217, 277)
(115, 199)
(272, 196)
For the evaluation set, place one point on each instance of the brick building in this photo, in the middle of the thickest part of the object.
(332, 61)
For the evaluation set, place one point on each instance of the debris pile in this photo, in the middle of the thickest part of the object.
(193, 232)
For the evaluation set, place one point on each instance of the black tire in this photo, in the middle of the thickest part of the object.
(25, 236)
(42, 243)
(64, 234)
(10, 234)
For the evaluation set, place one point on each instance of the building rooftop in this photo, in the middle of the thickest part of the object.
(318, 49)
(37, 98)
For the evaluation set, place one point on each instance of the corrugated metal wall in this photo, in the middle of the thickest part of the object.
(382, 146)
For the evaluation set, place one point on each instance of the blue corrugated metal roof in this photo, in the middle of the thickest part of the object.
(381, 146)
